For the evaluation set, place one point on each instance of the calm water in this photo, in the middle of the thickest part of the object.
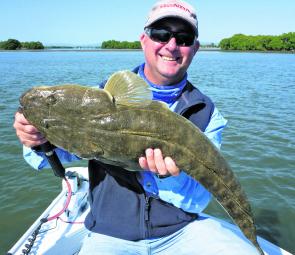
(254, 91)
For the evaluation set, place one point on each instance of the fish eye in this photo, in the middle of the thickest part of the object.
(52, 99)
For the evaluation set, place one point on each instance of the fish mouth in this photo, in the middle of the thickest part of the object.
(20, 109)
(24, 95)
(21, 100)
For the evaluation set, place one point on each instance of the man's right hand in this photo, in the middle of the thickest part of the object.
(27, 133)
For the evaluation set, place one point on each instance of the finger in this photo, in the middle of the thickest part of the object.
(143, 163)
(27, 133)
(20, 118)
(29, 136)
(149, 153)
(30, 129)
(20, 122)
(30, 140)
(24, 126)
(159, 161)
(31, 144)
(171, 166)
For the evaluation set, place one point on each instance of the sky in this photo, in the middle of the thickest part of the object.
(89, 22)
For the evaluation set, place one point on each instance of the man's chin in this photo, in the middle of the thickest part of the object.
(170, 71)
(172, 77)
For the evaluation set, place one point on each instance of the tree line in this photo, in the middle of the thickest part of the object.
(113, 44)
(284, 42)
(13, 44)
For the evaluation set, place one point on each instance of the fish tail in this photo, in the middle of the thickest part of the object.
(227, 190)
(259, 249)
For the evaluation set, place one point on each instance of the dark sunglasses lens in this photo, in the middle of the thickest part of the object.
(160, 35)
(184, 39)
(163, 36)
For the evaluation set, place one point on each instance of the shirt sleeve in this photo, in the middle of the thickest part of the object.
(38, 161)
(183, 191)
(215, 127)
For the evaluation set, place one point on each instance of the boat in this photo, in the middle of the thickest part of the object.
(63, 231)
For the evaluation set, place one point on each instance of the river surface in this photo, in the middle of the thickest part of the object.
(254, 91)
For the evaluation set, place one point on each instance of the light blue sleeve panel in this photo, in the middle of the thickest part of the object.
(38, 160)
(215, 127)
(182, 190)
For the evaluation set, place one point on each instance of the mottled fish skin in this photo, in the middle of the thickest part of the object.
(87, 122)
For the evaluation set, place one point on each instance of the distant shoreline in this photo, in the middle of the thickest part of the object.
(90, 50)
(135, 50)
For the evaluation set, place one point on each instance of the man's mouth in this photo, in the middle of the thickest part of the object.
(166, 58)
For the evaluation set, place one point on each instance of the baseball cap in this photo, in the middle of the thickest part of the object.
(173, 8)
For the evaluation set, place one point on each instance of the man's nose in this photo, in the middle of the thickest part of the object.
(172, 44)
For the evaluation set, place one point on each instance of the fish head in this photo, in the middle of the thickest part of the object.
(36, 97)
(56, 102)
(36, 100)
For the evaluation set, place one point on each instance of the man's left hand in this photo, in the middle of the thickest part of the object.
(155, 162)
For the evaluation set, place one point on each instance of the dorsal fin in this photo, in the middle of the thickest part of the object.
(128, 88)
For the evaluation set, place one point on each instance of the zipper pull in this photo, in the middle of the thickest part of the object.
(146, 208)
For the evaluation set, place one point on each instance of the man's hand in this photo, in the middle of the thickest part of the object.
(27, 134)
(155, 162)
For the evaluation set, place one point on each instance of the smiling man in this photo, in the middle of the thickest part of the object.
(169, 45)
(153, 211)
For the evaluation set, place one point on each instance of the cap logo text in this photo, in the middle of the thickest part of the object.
(178, 6)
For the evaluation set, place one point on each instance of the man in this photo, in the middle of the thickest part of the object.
(155, 211)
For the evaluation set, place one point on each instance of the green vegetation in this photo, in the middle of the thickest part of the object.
(32, 45)
(112, 44)
(10, 44)
(284, 42)
(13, 44)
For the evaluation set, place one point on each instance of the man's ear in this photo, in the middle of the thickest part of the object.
(196, 46)
(142, 39)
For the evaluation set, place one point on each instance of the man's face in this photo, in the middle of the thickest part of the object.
(167, 63)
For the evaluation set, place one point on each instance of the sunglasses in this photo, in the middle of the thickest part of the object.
(162, 35)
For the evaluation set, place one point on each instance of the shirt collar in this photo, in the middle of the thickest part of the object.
(166, 93)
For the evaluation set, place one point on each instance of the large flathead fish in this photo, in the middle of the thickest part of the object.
(116, 124)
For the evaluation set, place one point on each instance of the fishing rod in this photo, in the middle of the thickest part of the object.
(52, 158)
